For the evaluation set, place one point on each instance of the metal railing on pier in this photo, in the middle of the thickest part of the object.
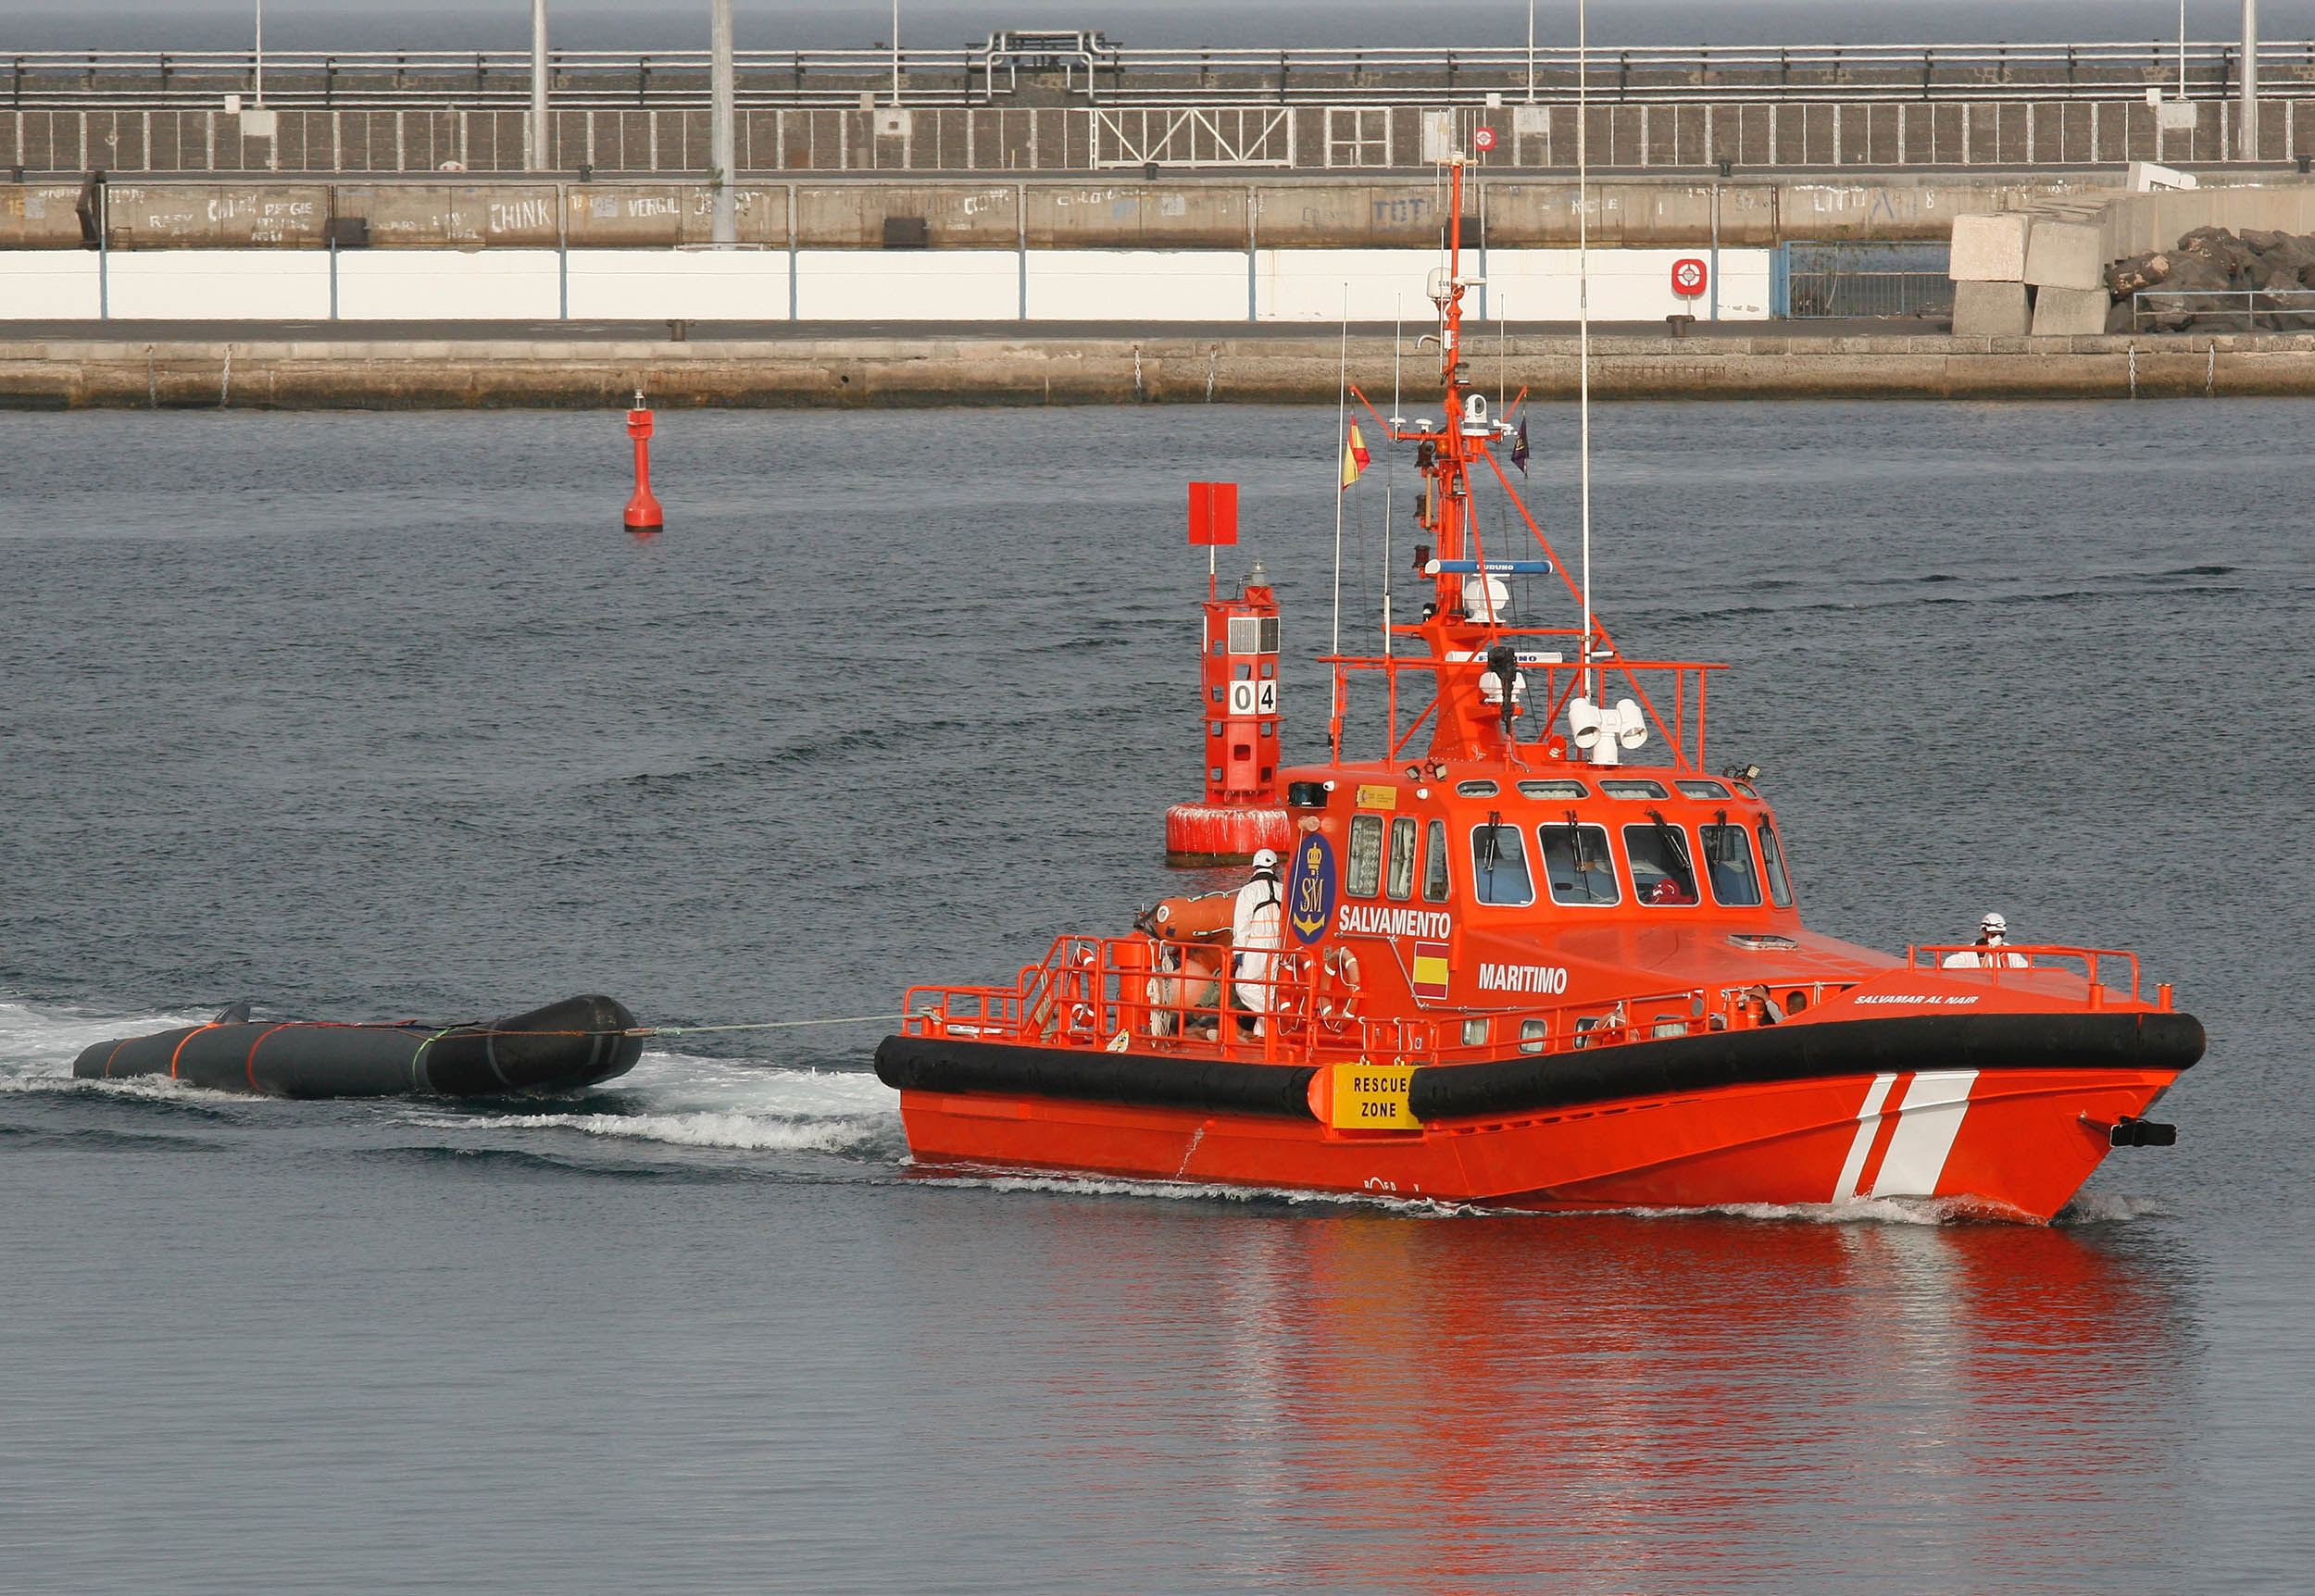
(1853, 279)
(2219, 310)
(1691, 138)
(1085, 68)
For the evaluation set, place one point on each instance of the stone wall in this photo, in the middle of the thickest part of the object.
(1012, 369)
(1194, 212)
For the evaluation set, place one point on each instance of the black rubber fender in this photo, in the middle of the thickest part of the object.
(945, 1064)
(576, 1043)
(1808, 1050)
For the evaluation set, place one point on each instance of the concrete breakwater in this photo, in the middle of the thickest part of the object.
(933, 367)
(1110, 210)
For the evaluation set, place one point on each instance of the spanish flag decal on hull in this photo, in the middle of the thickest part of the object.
(1431, 969)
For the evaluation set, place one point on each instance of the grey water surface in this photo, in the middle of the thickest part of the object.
(382, 716)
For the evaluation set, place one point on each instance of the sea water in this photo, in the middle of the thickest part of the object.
(383, 716)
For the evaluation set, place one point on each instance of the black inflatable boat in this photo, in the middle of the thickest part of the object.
(575, 1042)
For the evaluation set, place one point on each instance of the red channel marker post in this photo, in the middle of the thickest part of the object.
(1237, 705)
(644, 515)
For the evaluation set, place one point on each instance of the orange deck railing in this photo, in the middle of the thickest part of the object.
(1149, 995)
(1156, 996)
(2038, 957)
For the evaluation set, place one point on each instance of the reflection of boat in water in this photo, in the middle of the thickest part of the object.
(575, 1042)
(1711, 1392)
(1520, 970)
(1380, 1400)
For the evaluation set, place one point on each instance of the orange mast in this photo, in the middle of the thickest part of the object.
(1472, 651)
(1463, 622)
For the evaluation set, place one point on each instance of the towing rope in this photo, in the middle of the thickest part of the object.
(758, 1025)
(483, 1027)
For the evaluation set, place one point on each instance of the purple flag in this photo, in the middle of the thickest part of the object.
(1519, 448)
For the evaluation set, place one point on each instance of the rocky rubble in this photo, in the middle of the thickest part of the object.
(2215, 259)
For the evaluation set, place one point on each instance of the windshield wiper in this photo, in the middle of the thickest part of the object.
(1672, 844)
(1577, 858)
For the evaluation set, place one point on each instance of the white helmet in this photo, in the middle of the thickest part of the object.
(1993, 925)
(1265, 859)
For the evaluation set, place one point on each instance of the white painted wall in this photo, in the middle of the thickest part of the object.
(907, 285)
(692, 285)
(1317, 284)
(220, 284)
(1137, 285)
(448, 285)
(1627, 284)
(1524, 286)
(48, 285)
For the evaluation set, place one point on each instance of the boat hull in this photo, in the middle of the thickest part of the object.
(1974, 1134)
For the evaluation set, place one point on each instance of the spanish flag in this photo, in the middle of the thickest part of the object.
(1354, 456)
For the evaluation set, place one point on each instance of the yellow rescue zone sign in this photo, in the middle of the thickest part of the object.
(1372, 1097)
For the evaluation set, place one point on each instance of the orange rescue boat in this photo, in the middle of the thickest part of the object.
(1518, 971)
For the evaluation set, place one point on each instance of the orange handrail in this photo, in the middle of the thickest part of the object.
(2090, 958)
(1149, 993)
(1560, 681)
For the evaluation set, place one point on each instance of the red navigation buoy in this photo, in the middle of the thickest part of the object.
(643, 515)
(1238, 701)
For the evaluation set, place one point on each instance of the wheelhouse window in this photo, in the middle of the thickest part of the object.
(1577, 863)
(1702, 789)
(1773, 857)
(1662, 871)
(1364, 873)
(1480, 788)
(1630, 789)
(1499, 864)
(1435, 863)
(1557, 788)
(1398, 880)
(1728, 864)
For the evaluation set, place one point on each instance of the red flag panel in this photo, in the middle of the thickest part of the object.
(1213, 513)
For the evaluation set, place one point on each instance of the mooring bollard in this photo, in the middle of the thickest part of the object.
(643, 515)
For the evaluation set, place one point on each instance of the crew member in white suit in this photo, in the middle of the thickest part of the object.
(1992, 949)
(1254, 934)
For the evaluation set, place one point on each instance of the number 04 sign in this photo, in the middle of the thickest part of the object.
(1254, 697)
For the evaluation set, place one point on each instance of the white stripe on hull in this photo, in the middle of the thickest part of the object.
(1928, 1121)
(1929, 1118)
(1868, 1121)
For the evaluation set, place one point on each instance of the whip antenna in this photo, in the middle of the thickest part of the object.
(1342, 447)
(1398, 333)
(1584, 320)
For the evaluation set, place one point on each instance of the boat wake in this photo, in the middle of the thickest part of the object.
(1197, 1191)
(671, 1099)
(2109, 1208)
(38, 1045)
(2082, 1210)
(683, 1100)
